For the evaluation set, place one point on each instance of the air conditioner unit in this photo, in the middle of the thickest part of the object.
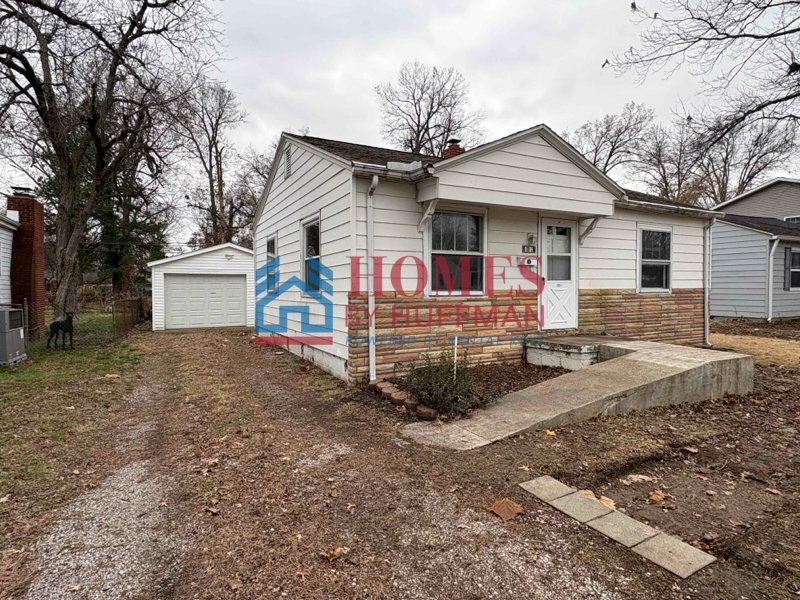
(12, 335)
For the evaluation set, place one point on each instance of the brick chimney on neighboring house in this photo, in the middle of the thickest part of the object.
(27, 258)
(453, 148)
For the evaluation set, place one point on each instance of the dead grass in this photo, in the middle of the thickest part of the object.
(764, 350)
(52, 410)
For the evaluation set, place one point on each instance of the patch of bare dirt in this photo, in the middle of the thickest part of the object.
(787, 329)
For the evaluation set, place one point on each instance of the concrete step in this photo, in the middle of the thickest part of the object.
(631, 376)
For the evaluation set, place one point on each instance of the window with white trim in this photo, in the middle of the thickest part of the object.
(272, 281)
(795, 219)
(271, 247)
(794, 269)
(457, 253)
(311, 254)
(655, 259)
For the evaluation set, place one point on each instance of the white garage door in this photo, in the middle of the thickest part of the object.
(205, 300)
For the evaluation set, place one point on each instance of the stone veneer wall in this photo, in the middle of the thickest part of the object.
(404, 338)
(675, 317)
(486, 329)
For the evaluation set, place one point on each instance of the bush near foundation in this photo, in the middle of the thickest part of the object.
(432, 383)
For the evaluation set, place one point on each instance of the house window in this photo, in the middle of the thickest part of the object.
(271, 247)
(457, 253)
(793, 219)
(794, 269)
(655, 260)
(311, 255)
(287, 163)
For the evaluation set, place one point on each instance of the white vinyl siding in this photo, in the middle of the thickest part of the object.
(608, 255)
(213, 262)
(526, 174)
(318, 188)
(6, 239)
(739, 260)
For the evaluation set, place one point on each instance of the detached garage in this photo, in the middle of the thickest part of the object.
(212, 287)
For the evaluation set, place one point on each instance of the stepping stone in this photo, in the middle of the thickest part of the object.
(546, 488)
(623, 529)
(580, 507)
(674, 555)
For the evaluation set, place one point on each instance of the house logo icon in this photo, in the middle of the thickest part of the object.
(279, 305)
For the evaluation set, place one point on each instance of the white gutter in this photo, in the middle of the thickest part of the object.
(771, 276)
(370, 276)
(707, 256)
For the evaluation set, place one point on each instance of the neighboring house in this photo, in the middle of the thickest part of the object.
(612, 261)
(212, 287)
(8, 225)
(756, 253)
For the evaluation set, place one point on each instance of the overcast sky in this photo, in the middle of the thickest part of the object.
(315, 64)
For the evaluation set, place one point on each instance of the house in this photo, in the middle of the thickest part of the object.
(211, 287)
(756, 253)
(8, 226)
(393, 255)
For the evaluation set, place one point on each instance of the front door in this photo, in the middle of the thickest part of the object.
(560, 295)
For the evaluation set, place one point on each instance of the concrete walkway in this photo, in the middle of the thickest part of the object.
(631, 375)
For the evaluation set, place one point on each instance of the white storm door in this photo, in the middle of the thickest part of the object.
(559, 267)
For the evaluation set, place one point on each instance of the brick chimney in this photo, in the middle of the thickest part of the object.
(27, 258)
(453, 148)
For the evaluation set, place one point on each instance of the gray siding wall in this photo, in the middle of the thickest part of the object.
(779, 201)
(784, 304)
(739, 260)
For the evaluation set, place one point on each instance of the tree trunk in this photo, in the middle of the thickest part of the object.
(70, 229)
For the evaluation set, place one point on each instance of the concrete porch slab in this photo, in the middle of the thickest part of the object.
(632, 375)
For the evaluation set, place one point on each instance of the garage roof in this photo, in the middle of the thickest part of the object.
(230, 245)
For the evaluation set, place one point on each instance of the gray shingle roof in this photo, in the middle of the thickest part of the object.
(365, 154)
(765, 224)
(643, 197)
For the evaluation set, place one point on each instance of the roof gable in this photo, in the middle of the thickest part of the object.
(548, 135)
(202, 251)
(757, 189)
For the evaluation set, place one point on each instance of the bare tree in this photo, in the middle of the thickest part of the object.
(427, 106)
(744, 158)
(743, 49)
(614, 140)
(83, 80)
(667, 163)
(205, 120)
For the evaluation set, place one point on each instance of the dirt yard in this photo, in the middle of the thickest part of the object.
(228, 470)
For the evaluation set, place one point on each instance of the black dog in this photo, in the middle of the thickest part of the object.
(63, 326)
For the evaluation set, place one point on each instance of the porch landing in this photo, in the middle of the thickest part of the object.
(628, 375)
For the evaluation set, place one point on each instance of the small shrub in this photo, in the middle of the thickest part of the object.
(433, 384)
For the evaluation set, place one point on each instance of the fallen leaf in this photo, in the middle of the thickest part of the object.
(506, 509)
(212, 510)
(75, 587)
(5, 498)
(773, 491)
(525, 468)
(76, 471)
(549, 432)
(588, 494)
(657, 496)
(711, 493)
(337, 552)
(234, 585)
(690, 449)
(710, 536)
(113, 376)
(608, 502)
(635, 478)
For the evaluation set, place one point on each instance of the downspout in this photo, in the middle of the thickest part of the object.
(707, 257)
(370, 276)
(771, 277)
